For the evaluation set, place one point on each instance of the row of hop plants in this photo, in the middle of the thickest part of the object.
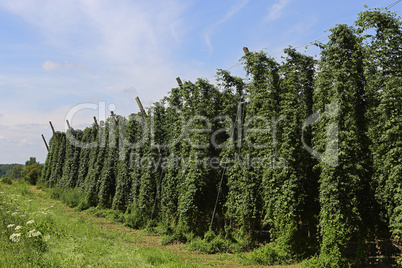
(328, 129)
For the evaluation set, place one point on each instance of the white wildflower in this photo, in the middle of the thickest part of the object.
(46, 238)
(14, 214)
(10, 225)
(15, 237)
(18, 227)
(30, 222)
(34, 233)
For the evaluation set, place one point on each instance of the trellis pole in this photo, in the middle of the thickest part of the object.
(68, 124)
(96, 123)
(54, 132)
(179, 82)
(144, 114)
(44, 140)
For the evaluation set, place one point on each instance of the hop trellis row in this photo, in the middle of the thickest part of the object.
(334, 124)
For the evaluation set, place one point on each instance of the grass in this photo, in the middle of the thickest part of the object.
(69, 238)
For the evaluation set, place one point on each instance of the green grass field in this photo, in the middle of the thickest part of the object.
(37, 231)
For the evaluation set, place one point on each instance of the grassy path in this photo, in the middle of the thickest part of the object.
(77, 239)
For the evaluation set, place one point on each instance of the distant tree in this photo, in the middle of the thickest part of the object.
(31, 173)
(31, 161)
(5, 169)
(16, 172)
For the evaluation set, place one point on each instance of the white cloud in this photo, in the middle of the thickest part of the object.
(127, 45)
(55, 66)
(208, 42)
(51, 66)
(275, 11)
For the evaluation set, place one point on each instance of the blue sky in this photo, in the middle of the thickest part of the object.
(56, 54)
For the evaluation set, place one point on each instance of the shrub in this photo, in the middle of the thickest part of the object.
(72, 197)
(32, 173)
(269, 254)
(211, 243)
(6, 180)
(325, 261)
(134, 220)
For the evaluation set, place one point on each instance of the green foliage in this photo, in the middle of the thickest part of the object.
(346, 198)
(24, 233)
(211, 243)
(269, 254)
(109, 214)
(16, 172)
(70, 239)
(383, 69)
(32, 173)
(330, 260)
(5, 169)
(107, 179)
(88, 138)
(324, 135)
(6, 180)
(31, 161)
(134, 218)
(72, 197)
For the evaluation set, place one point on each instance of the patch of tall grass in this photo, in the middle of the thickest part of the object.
(25, 230)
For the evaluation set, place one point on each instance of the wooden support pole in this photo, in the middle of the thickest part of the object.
(68, 124)
(54, 132)
(144, 114)
(114, 119)
(51, 125)
(245, 50)
(96, 123)
(44, 140)
(179, 82)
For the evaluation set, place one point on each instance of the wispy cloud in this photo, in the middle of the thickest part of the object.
(229, 14)
(275, 11)
(55, 66)
(233, 10)
(122, 45)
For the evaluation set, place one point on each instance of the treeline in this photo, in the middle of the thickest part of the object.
(305, 153)
(29, 173)
(5, 169)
